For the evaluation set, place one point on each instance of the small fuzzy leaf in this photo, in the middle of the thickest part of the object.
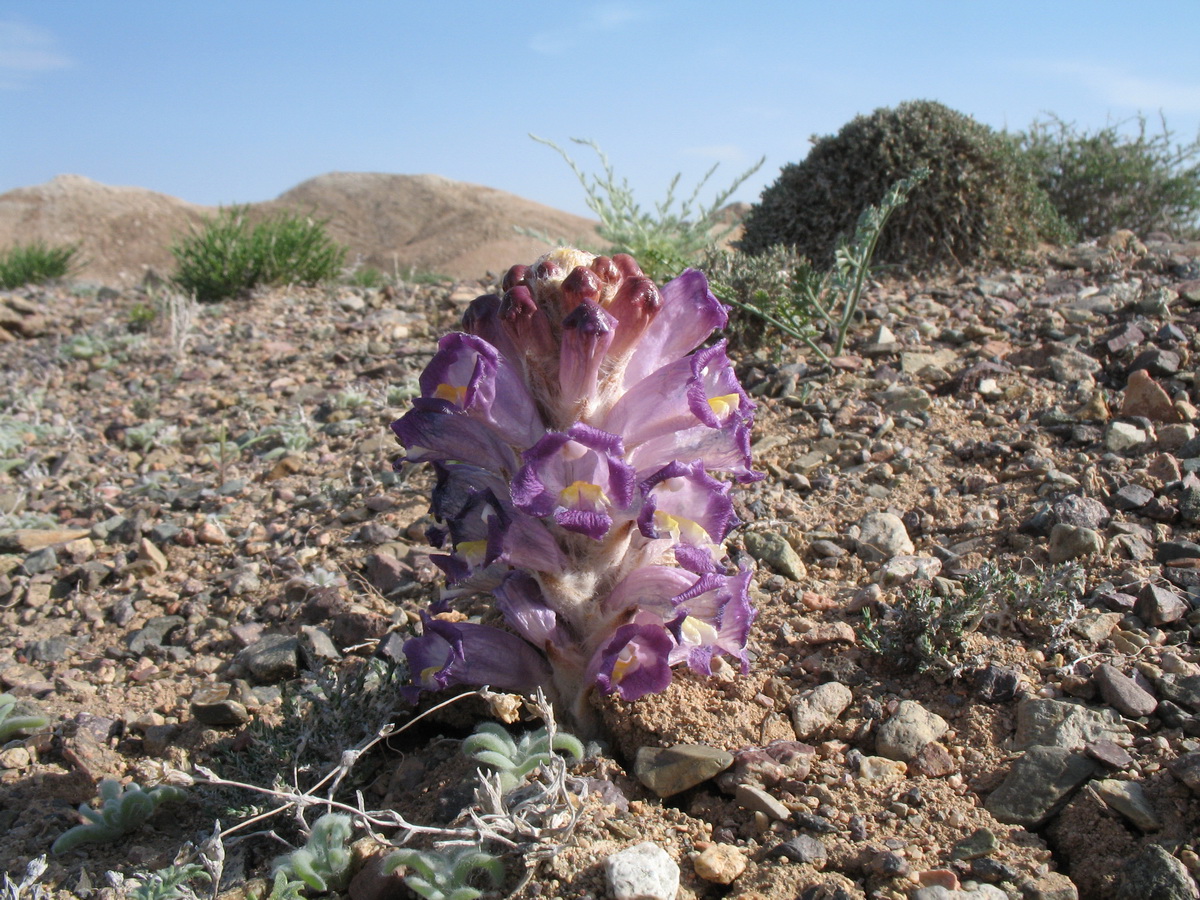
(496, 760)
(466, 864)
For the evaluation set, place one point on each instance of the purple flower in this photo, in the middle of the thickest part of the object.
(714, 617)
(576, 425)
(470, 374)
(691, 508)
(452, 653)
(578, 477)
(636, 661)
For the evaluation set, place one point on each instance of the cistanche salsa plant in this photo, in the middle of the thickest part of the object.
(575, 425)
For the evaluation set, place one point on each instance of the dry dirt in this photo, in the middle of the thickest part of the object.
(228, 539)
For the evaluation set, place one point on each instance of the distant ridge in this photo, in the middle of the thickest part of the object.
(424, 223)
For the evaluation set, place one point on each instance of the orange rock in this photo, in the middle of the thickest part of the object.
(1145, 397)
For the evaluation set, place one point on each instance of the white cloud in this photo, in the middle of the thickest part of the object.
(26, 50)
(1119, 88)
(604, 17)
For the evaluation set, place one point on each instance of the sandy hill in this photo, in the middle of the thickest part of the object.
(395, 222)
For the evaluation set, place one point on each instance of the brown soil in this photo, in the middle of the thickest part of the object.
(205, 500)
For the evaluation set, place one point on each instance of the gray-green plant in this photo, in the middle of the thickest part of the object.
(443, 874)
(665, 240)
(140, 317)
(808, 302)
(284, 888)
(27, 888)
(150, 434)
(122, 810)
(35, 263)
(323, 863)
(926, 629)
(366, 277)
(513, 761)
(13, 725)
(1114, 177)
(980, 202)
(170, 883)
(227, 256)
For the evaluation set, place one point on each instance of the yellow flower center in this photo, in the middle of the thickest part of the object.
(582, 493)
(698, 632)
(626, 660)
(680, 529)
(724, 404)
(473, 552)
(454, 393)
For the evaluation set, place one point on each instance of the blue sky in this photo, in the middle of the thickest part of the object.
(228, 101)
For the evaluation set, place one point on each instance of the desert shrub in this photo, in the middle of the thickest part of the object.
(34, 263)
(228, 256)
(1103, 180)
(781, 289)
(980, 200)
(664, 241)
(926, 631)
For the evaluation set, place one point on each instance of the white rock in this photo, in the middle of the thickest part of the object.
(642, 872)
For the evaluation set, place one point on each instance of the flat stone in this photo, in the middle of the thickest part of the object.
(1187, 769)
(1159, 605)
(1084, 512)
(764, 767)
(1132, 496)
(719, 864)
(1123, 437)
(1129, 799)
(910, 729)
(881, 536)
(26, 540)
(1037, 785)
(148, 638)
(1051, 886)
(997, 684)
(1183, 689)
(1122, 693)
(272, 658)
(882, 769)
(1154, 874)
(213, 705)
(1065, 725)
(775, 551)
(1069, 542)
(980, 842)
(802, 849)
(934, 761)
(815, 710)
(670, 770)
(757, 800)
(1144, 397)
(644, 871)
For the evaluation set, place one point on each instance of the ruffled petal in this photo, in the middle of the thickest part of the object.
(690, 313)
(453, 653)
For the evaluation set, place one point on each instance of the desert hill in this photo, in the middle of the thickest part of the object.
(399, 223)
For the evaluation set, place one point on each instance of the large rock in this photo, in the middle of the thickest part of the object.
(908, 731)
(881, 536)
(1037, 785)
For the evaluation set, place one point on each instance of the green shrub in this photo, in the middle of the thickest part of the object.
(228, 257)
(781, 288)
(980, 200)
(34, 263)
(665, 241)
(1109, 179)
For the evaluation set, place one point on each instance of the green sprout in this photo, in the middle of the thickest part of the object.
(513, 760)
(323, 863)
(10, 725)
(283, 888)
(442, 874)
(170, 883)
(121, 812)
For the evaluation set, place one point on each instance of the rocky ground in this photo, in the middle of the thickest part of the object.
(975, 671)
